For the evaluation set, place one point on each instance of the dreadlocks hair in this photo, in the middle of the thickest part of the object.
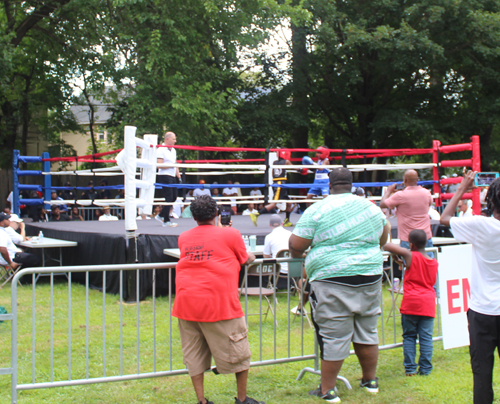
(493, 197)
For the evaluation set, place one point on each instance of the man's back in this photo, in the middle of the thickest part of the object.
(345, 232)
(276, 241)
(412, 210)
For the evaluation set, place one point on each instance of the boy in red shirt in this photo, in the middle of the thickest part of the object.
(418, 308)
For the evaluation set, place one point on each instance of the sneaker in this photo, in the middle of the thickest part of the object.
(208, 401)
(157, 217)
(329, 397)
(170, 224)
(287, 223)
(254, 217)
(298, 311)
(371, 386)
(248, 400)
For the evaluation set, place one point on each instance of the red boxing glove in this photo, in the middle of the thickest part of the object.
(304, 171)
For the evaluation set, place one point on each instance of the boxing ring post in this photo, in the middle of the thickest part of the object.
(47, 181)
(476, 166)
(267, 177)
(15, 184)
(435, 172)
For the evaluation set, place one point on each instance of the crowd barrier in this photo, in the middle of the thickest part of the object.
(93, 337)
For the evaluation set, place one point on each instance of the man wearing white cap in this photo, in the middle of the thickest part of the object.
(11, 231)
(10, 254)
(277, 240)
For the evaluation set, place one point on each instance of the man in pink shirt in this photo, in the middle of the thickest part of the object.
(412, 207)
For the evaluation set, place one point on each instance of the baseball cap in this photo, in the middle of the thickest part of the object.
(4, 216)
(454, 175)
(15, 218)
(275, 220)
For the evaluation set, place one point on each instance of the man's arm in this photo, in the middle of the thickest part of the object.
(6, 257)
(385, 233)
(298, 245)
(251, 258)
(450, 209)
(403, 252)
(390, 190)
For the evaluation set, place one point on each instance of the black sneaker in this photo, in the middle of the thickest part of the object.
(248, 400)
(329, 397)
(208, 401)
(371, 386)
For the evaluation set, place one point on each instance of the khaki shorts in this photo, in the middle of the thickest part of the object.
(226, 341)
(344, 314)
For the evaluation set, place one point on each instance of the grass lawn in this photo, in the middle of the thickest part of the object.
(450, 381)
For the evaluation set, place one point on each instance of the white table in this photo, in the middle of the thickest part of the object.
(47, 242)
(436, 241)
(176, 252)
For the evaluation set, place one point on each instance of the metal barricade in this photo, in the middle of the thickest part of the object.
(86, 344)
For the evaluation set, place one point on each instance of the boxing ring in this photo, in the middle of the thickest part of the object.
(108, 243)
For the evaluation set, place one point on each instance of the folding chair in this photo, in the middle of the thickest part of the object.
(306, 314)
(7, 273)
(260, 270)
(285, 253)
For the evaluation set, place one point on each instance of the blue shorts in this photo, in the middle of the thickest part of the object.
(319, 189)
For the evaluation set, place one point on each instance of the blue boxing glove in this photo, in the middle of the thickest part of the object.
(307, 161)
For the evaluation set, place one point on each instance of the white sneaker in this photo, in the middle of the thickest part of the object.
(170, 224)
(297, 311)
(157, 217)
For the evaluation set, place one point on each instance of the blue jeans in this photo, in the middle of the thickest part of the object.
(422, 327)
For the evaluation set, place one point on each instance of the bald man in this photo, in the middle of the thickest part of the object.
(412, 205)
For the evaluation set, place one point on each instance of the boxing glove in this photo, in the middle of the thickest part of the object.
(306, 160)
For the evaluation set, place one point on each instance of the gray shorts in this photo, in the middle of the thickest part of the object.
(344, 314)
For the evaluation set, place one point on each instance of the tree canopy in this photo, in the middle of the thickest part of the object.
(382, 74)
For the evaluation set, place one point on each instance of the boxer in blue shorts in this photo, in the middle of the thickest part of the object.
(321, 180)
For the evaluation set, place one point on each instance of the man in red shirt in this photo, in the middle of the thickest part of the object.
(412, 208)
(418, 308)
(207, 304)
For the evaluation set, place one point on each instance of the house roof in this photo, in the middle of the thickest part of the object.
(82, 114)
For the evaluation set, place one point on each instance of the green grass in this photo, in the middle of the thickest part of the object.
(450, 381)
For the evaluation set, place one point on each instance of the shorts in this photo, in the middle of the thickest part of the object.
(343, 314)
(226, 341)
(319, 189)
(280, 193)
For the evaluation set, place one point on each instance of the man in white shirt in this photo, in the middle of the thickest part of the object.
(168, 175)
(257, 192)
(484, 306)
(277, 240)
(14, 235)
(231, 191)
(201, 191)
(251, 209)
(106, 215)
(10, 254)
(465, 208)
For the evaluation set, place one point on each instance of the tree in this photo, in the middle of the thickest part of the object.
(390, 73)
(181, 61)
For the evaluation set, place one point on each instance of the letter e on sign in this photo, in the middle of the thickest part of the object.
(452, 296)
